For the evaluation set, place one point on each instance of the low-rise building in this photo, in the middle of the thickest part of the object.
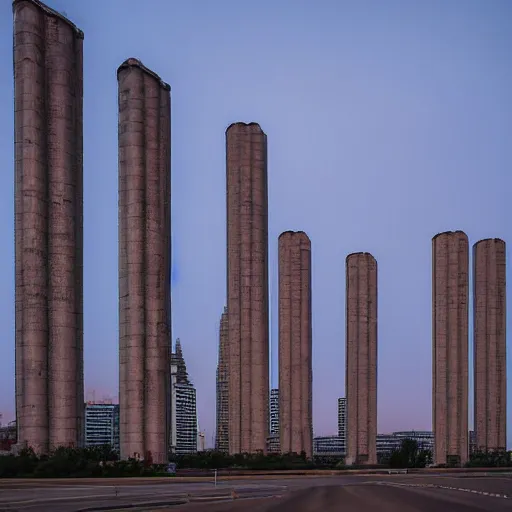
(328, 446)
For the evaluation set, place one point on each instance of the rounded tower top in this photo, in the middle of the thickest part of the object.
(361, 253)
(450, 233)
(132, 62)
(49, 12)
(240, 124)
(494, 240)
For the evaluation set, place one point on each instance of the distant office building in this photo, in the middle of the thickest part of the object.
(172, 408)
(450, 297)
(274, 411)
(342, 421)
(472, 442)
(222, 409)
(201, 442)
(328, 446)
(247, 287)
(361, 358)
(295, 344)
(186, 419)
(273, 445)
(424, 438)
(102, 425)
(388, 443)
(490, 344)
(184, 409)
(7, 437)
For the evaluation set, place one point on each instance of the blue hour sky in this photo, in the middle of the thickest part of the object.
(387, 122)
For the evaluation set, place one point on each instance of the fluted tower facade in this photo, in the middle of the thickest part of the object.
(489, 344)
(222, 410)
(295, 344)
(48, 227)
(247, 287)
(450, 289)
(361, 358)
(144, 262)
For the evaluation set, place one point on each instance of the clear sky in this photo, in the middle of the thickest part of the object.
(387, 122)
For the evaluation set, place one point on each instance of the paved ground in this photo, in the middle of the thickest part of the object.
(370, 497)
(386, 493)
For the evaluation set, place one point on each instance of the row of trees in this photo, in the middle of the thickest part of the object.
(104, 462)
(98, 462)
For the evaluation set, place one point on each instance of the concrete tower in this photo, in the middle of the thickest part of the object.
(361, 358)
(490, 358)
(450, 261)
(144, 261)
(247, 287)
(222, 410)
(48, 227)
(295, 344)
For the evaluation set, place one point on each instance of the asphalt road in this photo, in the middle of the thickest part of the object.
(401, 493)
(371, 497)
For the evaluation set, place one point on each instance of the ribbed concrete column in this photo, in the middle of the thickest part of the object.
(247, 286)
(144, 261)
(450, 259)
(361, 358)
(295, 344)
(48, 227)
(490, 350)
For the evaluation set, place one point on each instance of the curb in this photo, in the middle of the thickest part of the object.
(135, 505)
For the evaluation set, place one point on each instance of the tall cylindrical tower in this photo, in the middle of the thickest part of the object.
(144, 261)
(247, 287)
(48, 227)
(450, 289)
(295, 344)
(361, 358)
(489, 344)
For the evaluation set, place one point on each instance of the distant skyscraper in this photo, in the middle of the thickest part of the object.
(48, 205)
(490, 348)
(201, 442)
(222, 438)
(274, 411)
(144, 261)
(102, 425)
(172, 407)
(450, 260)
(361, 358)
(342, 421)
(295, 344)
(247, 287)
(178, 359)
(185, 420)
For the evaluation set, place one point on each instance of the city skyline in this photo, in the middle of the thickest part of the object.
(318, 175)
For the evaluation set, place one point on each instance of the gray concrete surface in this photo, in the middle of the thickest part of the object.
(369, 497)
(373, 493)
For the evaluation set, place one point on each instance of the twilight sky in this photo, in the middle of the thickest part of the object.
(387, 122)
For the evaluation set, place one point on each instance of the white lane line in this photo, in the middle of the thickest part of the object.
(446, 487)
(63, 498)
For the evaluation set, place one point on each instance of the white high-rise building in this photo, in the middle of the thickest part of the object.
(274, 412)
(102, 425)
(183, 437)
(342, 421)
